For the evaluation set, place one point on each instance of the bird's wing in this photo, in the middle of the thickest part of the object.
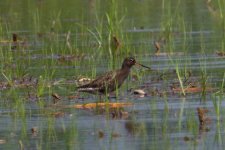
(101, 81)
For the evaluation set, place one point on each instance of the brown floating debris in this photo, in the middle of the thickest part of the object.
(115, 135)
(202, 115)
(106, 104)
(34, 129)
(56, 98)
(100, 134)
(220, 53)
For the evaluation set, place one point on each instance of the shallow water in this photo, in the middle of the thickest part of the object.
(59, 44)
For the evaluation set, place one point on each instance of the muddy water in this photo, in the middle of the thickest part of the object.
(56, 48)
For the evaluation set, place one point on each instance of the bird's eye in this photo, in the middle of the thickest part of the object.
(132, 60)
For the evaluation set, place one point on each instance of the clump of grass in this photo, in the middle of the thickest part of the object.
(180, 79)
(217, 100)
(181, 113)
(222, 85)
(179, 75)
(36, 22)
(192, 124)
(203, 82)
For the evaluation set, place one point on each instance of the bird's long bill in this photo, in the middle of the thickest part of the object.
(137, 64)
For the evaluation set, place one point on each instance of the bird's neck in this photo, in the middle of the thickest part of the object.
(125, 70)
(125, 67)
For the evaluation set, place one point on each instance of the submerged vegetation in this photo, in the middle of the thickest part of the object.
(48, 48)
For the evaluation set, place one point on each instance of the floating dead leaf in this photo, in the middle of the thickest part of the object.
(56, 98)
(100, 134)
(2, 141)
(95, 105)
(115, 135)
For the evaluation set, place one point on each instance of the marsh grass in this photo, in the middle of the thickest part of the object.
(203, 73)
(114, 25)
(222, 85)
(71, 134)
(36, 22)
(192, 123)
(95, 43)
(217, 100)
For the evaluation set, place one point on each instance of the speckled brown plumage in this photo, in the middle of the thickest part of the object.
(110, 81)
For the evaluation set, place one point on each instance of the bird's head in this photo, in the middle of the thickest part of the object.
(130, 61)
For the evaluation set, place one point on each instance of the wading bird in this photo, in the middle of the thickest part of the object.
(112, 80)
